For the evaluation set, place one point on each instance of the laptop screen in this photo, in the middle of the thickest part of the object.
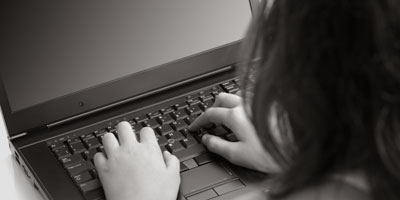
(56, 49)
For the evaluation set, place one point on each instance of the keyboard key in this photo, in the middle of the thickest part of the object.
(227, 83)
(217, 92)
(193, 101)
(89, 154)
(70, 160)
(193, 96)
(93, 172)
(90, 185)
(237, 81)
(179, 114)
(165, 119)
(82, 177)
(173, 146)
(175, 136)
(232, 89)
(96, 194)
(74, 140)
(179, 125)
(215, 88)
(231, 137)
(194, 110)
(137, 127)
(100, 133)
(227, 129)
(207, 97)
(141, 119)
(230, 86)
(199, 134)
(79, 167)
(91, 143)
(87, 136)
(179, 106)
(191, 119)
(206, 104)
(101, 149)
(154, 115)
(166, 111)
(190, 152)
(164, 130)
(56, 145)
(111, 129)
(189, 141)
(62, 152)
(162, 148)
(151, 123)
(204, 158)
(184, 132)
(77, 147)
(162, 141)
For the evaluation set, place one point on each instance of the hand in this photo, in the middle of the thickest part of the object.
(248, 151)
(136, 170)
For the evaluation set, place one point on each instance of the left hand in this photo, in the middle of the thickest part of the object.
(136, 170)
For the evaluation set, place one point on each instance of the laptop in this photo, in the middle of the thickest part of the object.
(70, 71)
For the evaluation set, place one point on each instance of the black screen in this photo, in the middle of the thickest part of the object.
(60, 48)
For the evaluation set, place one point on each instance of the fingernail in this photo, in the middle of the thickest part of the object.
(107, 134)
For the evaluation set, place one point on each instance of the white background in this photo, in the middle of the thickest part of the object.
(14, 184)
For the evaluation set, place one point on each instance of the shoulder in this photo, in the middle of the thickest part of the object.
(330, 190)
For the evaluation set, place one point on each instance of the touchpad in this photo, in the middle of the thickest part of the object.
(203, 176)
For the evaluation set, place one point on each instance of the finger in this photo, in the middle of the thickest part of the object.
(240, 124)
(210, 116)
(227, 100)
(125, 134)
(148, 136)
(239, 93)
(171, 161)
(100, 160)
(110, 144)
(219, 146)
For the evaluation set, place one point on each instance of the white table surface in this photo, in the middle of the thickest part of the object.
(14, 184)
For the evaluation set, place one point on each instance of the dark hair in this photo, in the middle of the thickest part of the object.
(331, 69)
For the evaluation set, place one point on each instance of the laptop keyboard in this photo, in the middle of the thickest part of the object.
(170, 124)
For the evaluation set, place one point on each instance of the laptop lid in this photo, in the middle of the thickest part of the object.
(63, 59)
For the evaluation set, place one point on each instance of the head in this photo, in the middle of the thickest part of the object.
(331, 70)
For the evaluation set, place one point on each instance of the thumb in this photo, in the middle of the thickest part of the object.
(219, 146)
(171, 161)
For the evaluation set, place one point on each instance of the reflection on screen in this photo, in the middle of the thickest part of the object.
(58, 48)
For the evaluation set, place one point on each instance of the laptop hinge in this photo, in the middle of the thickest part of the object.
(18, 136)
(225, 69)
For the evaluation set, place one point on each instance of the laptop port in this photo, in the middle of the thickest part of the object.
(35, 186)
(17, 158)
(26, 172)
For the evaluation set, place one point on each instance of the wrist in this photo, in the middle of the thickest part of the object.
(267, 165)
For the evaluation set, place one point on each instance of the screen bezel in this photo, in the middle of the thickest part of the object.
(119, 90)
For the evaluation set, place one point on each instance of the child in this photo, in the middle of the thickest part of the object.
(323, 117)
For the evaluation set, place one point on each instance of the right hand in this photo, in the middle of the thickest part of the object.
(248, 151)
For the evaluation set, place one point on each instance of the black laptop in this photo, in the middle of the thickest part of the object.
(71, 70)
